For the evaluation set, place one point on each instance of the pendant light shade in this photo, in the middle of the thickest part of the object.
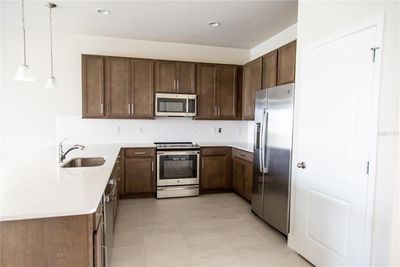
(51, 82)
(24, 72)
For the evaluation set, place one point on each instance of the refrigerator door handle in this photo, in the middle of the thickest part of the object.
(265, 145)
(262, 141)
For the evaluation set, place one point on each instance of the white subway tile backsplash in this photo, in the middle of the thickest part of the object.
(160, 129)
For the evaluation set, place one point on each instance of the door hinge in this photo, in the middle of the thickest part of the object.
(373, 49)
(367, 167)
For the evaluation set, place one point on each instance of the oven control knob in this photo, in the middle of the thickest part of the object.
(178, 181)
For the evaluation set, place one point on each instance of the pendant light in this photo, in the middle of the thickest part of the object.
(51, 82)
(24, 72)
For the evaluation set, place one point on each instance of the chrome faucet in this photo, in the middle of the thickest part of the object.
(62, 155)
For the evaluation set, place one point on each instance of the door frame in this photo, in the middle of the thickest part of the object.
(378, 22)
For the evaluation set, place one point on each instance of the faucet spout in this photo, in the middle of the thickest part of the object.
(63, 154)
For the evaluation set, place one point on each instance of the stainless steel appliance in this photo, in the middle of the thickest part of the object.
(273, 130)
(175, 105)
(110, 198)
(177, 169)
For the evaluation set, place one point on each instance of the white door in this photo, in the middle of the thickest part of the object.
(334, 111)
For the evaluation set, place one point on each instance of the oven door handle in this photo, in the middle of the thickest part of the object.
(166, 153)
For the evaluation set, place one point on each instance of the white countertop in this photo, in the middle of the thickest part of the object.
(37, 187)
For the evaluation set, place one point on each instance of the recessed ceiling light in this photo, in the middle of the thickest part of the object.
(103, 11)
(214, 23)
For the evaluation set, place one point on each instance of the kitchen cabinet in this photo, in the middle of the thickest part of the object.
(175, 77)
(243, 173)
(217, 91)
(286, 63)
(118, 80)
(252, 82)
(215, 168)
(129, 91)
(270, 66)
(93, 84)
(139, 170)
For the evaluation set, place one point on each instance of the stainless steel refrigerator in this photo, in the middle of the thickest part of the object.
(273, 131)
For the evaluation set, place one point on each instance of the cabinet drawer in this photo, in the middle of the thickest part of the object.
(238, 153)
(214, 150)
(139, 152)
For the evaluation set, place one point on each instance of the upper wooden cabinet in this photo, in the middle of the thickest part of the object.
(252, 82)
(217, 91)
(286, 63)
(270, 65)
(93, 83)
(175, 77)
(129, 88)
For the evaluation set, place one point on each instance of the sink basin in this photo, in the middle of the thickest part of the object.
(84, 162)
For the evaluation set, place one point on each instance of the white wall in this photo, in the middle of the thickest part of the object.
(28, 111)
(318, 20)
(282, 38)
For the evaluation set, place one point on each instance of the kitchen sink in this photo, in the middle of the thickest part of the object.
(84, 162)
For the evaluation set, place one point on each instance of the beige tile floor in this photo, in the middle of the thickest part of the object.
(211, 230)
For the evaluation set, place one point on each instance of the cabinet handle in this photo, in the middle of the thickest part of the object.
(174, 85)
(131, 108)
(101, 108)
(177, 85)
(215, 110)
(152, 166)
(219, 110)
(249, 110)
(140, 153)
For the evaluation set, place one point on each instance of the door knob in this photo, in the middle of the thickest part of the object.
(301, 165)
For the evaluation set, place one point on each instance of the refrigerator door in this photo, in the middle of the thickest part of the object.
(277, 159)
(259, 138)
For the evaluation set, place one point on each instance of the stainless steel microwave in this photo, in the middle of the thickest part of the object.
(175, 105)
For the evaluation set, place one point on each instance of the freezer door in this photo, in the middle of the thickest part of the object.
(259, 120)
(277, 159)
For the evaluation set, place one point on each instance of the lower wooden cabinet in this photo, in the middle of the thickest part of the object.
(139, 170)
(243, 173)
(215, 168)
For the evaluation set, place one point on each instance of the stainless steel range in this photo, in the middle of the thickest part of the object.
(177, 169)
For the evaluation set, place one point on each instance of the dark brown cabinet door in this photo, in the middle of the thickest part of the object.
(270, 65)
(142, 95)
(98, 249)
(286, 63)
(93, 86)
(118, 77)
(185, 80)
(214, 173)
(247, 180)
(252, 82)
(165, 76)
(206, 91)
(238, 175)
(227, 92)
(139, 174)
(246, 92)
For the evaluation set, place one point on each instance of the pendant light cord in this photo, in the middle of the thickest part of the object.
(51, 42)
(23, 28)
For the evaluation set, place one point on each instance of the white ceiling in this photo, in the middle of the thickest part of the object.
(244, 23)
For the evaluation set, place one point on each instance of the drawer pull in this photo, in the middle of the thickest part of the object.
(140, 153)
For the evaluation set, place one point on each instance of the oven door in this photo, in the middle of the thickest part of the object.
(177, 168)
(175, 105)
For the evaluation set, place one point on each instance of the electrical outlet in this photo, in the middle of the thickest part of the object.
(219, 130)
(118, 129)
(140, 130)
